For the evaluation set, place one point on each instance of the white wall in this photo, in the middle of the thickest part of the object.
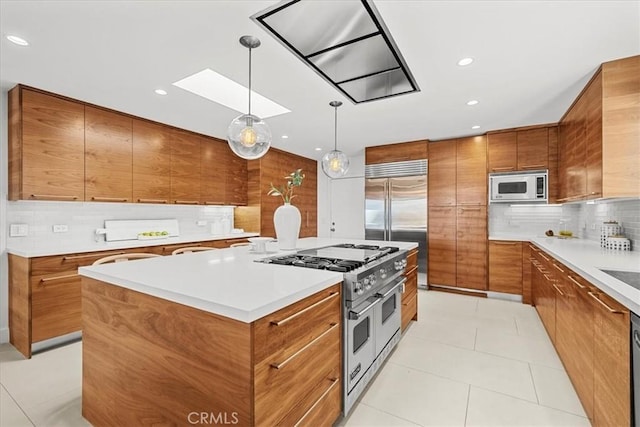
(348, 212)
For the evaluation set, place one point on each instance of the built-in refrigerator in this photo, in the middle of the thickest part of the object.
(396, 204)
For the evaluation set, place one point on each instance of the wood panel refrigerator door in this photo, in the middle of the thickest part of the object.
(442, 245)
(471, 243)
(408, 214)
(347, 219)
(471, 171)
(53, 148)
(376, 209)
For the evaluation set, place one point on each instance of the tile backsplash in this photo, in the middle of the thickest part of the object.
(583, 219)
(82, 219)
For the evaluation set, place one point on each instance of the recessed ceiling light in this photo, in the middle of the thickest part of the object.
(224, 91)
(465, 61)
(285, 136)
(318, 149)
(18, 40)
(475, 127)
(161, 91)
(472, 102)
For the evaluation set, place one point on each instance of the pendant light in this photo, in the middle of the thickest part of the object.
(248, 135)
(335, 163)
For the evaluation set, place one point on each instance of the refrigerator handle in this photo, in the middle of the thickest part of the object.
(387, 213)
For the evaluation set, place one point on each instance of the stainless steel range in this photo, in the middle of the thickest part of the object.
(372, 286)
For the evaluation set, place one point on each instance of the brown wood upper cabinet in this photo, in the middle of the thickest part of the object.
(598, 136)
(471, 171)
(520, 150)
(46, 147)
(185, 168)
(108, 156)
(400, 152)
(214, 168)
(151, 162)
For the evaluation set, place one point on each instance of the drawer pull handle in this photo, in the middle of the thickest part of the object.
(602, 303)
(533, 248)
(51, 279)
(109, 199)
(214, 203)
(92, 255)
(171, 248)
(469, 209)
(334, 381)
(299, 352)
(509, 168)
(545, 258)
(547, 277)
(312, 306)
(187, 202)
(534, 167)
(53, 196)
(558, 289)
(554, 264)
(581, 286)
(504, 243)
(152, 201)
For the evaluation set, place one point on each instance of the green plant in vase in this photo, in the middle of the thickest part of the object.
(294, 179)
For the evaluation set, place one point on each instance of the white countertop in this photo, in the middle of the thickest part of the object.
(44, 248)
(514, 237)
(226, 281)
(585, 257)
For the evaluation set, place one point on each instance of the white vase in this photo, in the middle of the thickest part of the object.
(286, 220)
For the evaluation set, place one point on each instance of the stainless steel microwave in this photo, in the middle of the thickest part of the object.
(518, 187)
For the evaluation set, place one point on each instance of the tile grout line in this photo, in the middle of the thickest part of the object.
(466, 412)
(17, 405)
(389, 413)
(533, 382)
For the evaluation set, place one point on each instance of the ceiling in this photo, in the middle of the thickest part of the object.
(531, 60)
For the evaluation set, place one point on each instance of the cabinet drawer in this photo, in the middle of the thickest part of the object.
(284, 332)
(412, 259)
(287, 388)
(411, 285)
(325, 410)
(409, 310)
(69, 263)
(56, 307)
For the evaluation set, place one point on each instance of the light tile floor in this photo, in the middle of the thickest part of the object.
(467, 361)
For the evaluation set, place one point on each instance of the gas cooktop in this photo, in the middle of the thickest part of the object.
(343, 257)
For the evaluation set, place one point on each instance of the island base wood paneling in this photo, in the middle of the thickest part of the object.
(20, 304)
(146, 361)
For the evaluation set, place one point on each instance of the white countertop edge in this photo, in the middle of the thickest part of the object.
(120, 244)
(511, 237)
(212, 307)
(616, 289)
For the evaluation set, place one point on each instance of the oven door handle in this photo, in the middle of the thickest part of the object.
(392, 289)
(355, 315)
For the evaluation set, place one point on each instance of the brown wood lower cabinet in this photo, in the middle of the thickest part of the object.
(410, 295)
(44, 292)
(205, 363)
(505, 266)
(591, 333)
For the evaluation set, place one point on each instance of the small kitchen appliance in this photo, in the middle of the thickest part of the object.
(518, 187)
(373, 282)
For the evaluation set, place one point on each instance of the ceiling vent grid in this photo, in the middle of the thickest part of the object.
(345, 42)
(389, 170)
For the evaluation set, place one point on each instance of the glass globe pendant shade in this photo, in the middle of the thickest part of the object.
(249, 136)
(335, 164)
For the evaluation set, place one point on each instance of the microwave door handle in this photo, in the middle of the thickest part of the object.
(355, 315)
(392, 289)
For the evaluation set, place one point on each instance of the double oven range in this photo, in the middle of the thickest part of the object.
(373, 282)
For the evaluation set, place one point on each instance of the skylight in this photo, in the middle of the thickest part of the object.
(224, 91)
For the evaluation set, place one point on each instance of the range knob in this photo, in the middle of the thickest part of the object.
(373, 279)
(404, 262)
(397, 265)
(383, 273)
(358, 287)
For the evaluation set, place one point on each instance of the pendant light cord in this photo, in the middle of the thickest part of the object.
(249, 81)
(335, 136)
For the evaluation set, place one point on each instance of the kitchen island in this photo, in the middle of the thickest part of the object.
(212, 337)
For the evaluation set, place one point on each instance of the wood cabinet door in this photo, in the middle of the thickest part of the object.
(442, 173)
(400, 152)
(471, 171)
(471, 245)
(572, 154)
(565, 313)
(612, 370)
(52, 148)
(502, 152)
(593, 123)
(554, 180)
(151, 162)
(308, 200)
(505, 267)
(185, 168)
(533, 149)
(108, 156)
(214, 168)
(526, 274)
(442, 245)
(236, 179)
